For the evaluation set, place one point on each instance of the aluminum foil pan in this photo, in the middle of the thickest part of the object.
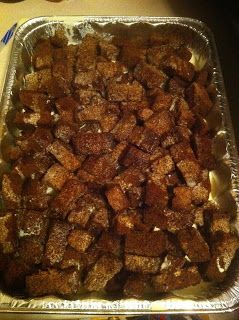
(206, 297)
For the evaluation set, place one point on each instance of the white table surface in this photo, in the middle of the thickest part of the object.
(14, 12)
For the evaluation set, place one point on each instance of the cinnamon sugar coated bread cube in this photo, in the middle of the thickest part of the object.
(198, 99)
(175, 65)
(64, 155)
(31, 250)
(146, 244)
(80, 240)
(182, 199)
(11, 190)
(65, 200)
(224, 247)
(116, 198)
(135, 263)
(56, 243)
(194, 245)
(160, 123)
(93, 143)
(135, 286)
(135, 157)
(56, 176)
(8, 236)
(190, 171)
(52, 281)
(110, 243)
(104, 270)
(106, 170)
(33, 223)
(168, 281)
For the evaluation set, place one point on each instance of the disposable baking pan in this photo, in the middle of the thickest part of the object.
(206, 297)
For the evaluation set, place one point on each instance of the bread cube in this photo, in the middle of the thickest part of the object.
(56, 176)
(135, 286)
(35, 196)
(170, 139)
(144, 113)
(124, 127)
(37, 141)
(220, 221)
(175, 66)
(35, 101)
(31, 250)
(72, 258)
(52, 282)
(163, 101)
(198, 99)
(103, 167)
(194, 245)
(125, 92)
(116, 198)
(104, 270)
(85, 79)
(203, 144)
(11, 190)
(135, 157)
(86, 53)
(42, 118)
(42, 57)
(173, 262)
(108, 50)
(64, 131)
(80, 240)
(33, 166)
(179, 279)
(109, 243)
(160, 123)
(223, 248)
(130, 177)
(135, 197)
(157, 54)
(32, 223)
(63, 69)
(135, 263)
(7, 233)
(185, 117)
(127, 221)
(100, 220)
(144, 139)
(150, 75)
(191, 172)
(90, 143)
(109, 69)
(182, 199)
(69, 194)
(65, 107)
(64, 155)
(145, 244)
(56, 243)
(175, 87)
(200, 193)
(168, 219)
(37, 81)
(132, 54)
(162, 166)
(15, 273)
(181, 151)
(156, 195)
